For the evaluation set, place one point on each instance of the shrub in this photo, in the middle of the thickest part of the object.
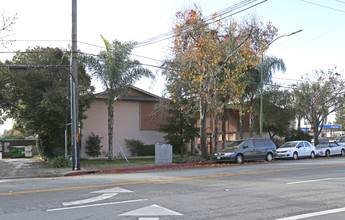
(278, 142)
(138, 148)
(93, 145)
(59, 162)
(296, 135)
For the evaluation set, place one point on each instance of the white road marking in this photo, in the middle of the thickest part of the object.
(313, 214)
(94, 199)
(95, 205)
(316, 180)
(152, 210)
(113, 190)
(148, 218)
(107, 193)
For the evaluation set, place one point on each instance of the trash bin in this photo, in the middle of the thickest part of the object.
(17, 151)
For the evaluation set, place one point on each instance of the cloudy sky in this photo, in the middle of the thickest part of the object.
(48, 23)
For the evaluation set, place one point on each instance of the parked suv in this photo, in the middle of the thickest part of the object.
(250, 149)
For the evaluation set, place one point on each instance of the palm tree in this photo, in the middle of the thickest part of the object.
(117, 72)
(270, 64)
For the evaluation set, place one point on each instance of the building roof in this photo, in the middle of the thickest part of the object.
(134, 94)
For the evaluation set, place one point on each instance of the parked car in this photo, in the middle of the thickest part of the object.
(340, 140)
(329, 149)
(296, 149)
(244, 150)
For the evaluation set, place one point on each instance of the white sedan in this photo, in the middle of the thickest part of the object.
(330, 149)
(296, 149)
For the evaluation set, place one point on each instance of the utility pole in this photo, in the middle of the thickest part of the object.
(74, 91)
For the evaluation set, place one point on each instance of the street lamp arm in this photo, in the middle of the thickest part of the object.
(295, 32)
(285, 35)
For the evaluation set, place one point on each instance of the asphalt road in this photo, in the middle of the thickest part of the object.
(303, 189)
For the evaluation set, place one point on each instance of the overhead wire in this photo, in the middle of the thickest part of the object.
(158, 38)
(170, 34)
(324, 6)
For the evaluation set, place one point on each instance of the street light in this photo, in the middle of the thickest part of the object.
(261, 76)
(74, 114)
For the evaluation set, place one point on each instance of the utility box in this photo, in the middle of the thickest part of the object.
(17, 151)
(163, 154)
(28, 151)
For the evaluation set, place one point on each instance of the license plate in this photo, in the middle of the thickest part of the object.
(218, 158)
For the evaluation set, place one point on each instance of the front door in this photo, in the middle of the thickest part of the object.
(248, 150)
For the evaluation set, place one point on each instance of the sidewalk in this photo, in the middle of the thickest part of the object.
(34, 167)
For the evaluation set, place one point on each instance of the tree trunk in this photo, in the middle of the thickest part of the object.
(241, 122)
(299, 121)
(316, 134)
(203, 107)
(110, 128)
(192, 147)
(223, 126)
(216, 133)
(252, 122)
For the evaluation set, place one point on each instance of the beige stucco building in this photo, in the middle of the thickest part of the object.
(132, 120)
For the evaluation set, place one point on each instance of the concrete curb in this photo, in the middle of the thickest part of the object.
(135, 169)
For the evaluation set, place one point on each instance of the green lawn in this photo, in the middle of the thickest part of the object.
(117, 161)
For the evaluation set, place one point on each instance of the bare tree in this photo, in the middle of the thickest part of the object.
(318, 97)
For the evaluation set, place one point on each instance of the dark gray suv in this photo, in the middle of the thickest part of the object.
(250, 149)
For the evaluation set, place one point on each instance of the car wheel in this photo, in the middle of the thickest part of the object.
(312, 155)
(342, 152)
(239, 158)
(295, 156)
(327, 154)
(269, 157)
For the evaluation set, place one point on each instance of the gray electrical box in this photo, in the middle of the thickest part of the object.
(163, 154)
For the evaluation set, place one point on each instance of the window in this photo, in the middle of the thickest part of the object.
(306, 144)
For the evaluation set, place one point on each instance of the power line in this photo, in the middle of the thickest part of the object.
(286, 79)
(35, 40)
(323, 6)
(28, 52)
(340, 1)
(169, 34)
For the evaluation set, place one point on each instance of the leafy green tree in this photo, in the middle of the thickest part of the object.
(179, 125)
(278, 113)
(319, 96)
(252, 93)
(340, 116)
(37, 99)
(116, 71)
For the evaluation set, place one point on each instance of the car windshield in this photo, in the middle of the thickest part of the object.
(234, 144)
(289, 144)
(339, 139)
(322, 145)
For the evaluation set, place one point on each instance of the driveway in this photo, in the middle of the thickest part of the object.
(25, 167)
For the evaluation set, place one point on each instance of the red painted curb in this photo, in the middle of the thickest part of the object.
(119, 170)
(76, 173)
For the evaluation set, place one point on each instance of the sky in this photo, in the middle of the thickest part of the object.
(44, 23)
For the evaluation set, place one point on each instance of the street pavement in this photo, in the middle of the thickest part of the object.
(35, 167)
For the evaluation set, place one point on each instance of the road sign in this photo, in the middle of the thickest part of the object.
(331, 126)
